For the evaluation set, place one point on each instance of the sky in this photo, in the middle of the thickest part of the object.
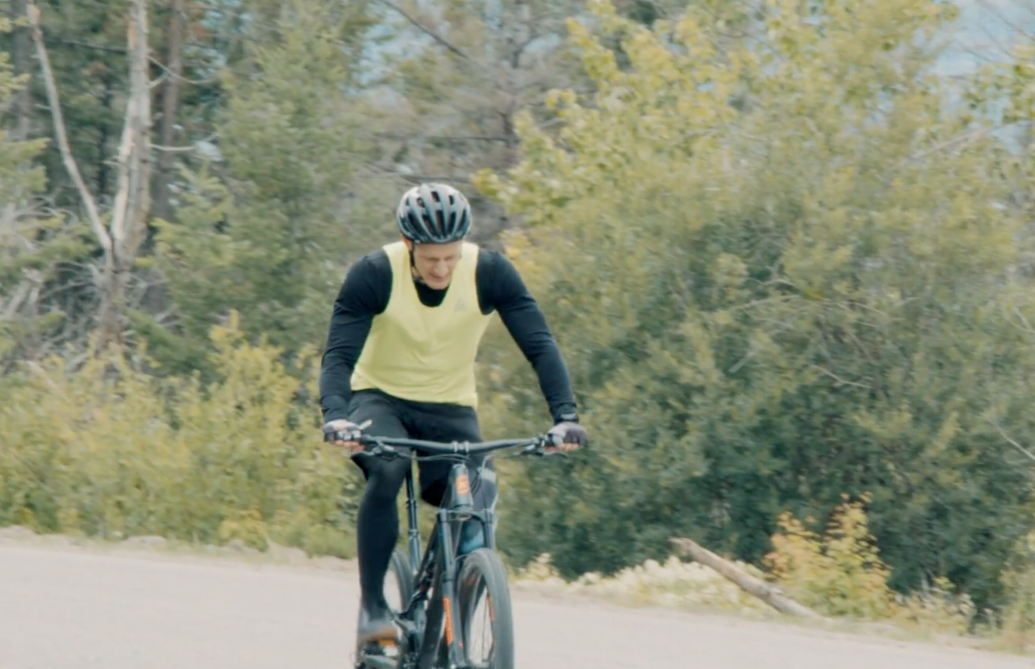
(984, 29)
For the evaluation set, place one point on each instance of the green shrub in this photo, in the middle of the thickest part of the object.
(108, 450)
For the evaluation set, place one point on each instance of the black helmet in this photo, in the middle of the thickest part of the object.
(434, 214)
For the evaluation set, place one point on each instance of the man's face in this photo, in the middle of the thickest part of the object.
(435, 262)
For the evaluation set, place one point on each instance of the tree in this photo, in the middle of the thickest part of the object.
(262, 227)
(119, 238)
(463, 72)
(33, 243)
(783, 266)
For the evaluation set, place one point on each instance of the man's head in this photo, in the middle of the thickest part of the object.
(434, 219)
(434, 263)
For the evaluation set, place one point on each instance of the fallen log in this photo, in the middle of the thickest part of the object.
(769, 594)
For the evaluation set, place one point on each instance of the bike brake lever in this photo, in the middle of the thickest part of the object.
(535, 449)
(385, 452)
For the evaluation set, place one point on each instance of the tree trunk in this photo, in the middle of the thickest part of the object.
(748, 583)
(107, 99)
(170, 107)
(22, 53)
(121, 240)
(110, 323)
(133, 199)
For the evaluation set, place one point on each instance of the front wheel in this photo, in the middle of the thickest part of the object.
(486, 620)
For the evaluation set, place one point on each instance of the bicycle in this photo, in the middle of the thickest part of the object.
(439, 597)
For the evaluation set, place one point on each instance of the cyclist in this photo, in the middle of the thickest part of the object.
(400, 354)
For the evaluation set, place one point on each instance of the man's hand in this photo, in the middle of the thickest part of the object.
(571, 436)
(349, 429)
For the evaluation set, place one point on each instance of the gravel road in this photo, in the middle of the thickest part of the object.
(83, 609)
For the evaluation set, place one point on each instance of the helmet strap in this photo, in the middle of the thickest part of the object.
(413, 263)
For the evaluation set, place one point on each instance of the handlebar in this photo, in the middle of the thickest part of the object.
(388, 446)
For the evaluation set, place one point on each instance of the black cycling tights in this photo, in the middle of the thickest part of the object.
(377, 527)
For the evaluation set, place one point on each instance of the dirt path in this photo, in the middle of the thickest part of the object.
(83, 610)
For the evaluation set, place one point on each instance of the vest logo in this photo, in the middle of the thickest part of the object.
(460, 305)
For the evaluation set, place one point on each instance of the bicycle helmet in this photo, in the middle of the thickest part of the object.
(434, 214)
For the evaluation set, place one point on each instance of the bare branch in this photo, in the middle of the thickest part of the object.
(121, 203)
(448, 138)
(382, 172)
(191, 147)
(424, 29)
(768, 593)
(59, 130)
(174, 149)
(87, 45)
(1027, 324)
(174, 70)
(838, 379)
(956, 142)
(15, 301)
(1011, 441)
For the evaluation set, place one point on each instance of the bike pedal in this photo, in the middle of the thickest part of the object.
(389, 647)
(379, 654)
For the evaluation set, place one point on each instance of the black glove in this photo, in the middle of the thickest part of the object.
(568, 433)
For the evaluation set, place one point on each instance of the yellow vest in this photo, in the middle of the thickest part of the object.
(420, 353)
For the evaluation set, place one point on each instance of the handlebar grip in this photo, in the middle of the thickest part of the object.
(342, 435)
(351, 434)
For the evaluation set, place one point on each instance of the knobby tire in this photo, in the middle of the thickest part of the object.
(483, 576)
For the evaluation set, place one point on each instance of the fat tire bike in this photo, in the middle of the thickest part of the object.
(440, 590)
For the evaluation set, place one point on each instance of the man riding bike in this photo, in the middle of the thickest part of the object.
(400, 355)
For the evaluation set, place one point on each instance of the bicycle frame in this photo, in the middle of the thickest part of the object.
(437, 571)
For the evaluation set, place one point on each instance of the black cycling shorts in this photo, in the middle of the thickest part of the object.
(394, 417)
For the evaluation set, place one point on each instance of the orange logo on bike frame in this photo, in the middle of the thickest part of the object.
(449, 620)
(463, 485)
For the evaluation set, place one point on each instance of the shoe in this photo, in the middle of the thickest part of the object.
(375, 624)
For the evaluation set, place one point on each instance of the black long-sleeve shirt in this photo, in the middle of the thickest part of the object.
(365, 293)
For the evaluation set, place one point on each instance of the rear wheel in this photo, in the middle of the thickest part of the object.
(399, 581)
(486, 620)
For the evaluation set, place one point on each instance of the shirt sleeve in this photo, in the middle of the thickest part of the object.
(363, 295)
(501, 288)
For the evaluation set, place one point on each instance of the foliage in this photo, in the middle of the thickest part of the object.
(108, 450)
(838, 574)
(676, 584)
(258, 234)
(841, 572)
(1018, 617)
(782, 277)
(786, 259)
(33, 243)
